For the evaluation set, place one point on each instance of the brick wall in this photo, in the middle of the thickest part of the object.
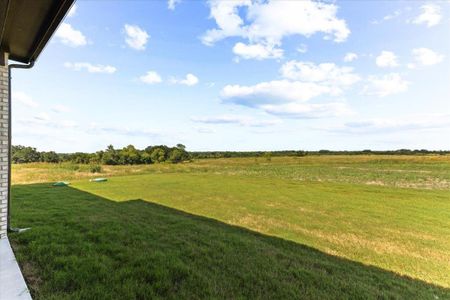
(4, 148)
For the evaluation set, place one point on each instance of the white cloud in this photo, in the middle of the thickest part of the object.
(309, 110)
(68, 124)
(285, 98)
(425, 57)
(412, 122)
(72, 11)
(67, 35)
(172, 3)
(235, 119)
(229, 23)
(60, 108)
(267, 23)
(350, 56)
(136, 37)
(257, 51)
(95, 128)
(289, 97)
(430, 16)
(43, 120)
(277, 91)
(42, 117)
(189, 80)
(302, 48)
(387, 59)
(388, 17)
(78, 66)
(24, 99)
(151, 77)
(327, 73)
(204, 130)
(386, 85)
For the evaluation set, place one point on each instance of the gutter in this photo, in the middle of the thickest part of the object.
(12, 66)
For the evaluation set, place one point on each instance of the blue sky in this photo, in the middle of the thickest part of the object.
(240, 75)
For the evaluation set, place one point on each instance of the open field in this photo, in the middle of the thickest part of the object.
(424, 171)
(306, 227)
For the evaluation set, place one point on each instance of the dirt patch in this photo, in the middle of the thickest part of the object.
(375, 182)
(384, 170)
(31, 276)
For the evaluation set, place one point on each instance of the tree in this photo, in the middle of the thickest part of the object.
(176, 156)
(130, 155)
(97, 157)
(181, 147)
(110, 156)
(80, 158)
(158, 155)
(146, 158)
(22, 154)
(50, 157)
(300, 153)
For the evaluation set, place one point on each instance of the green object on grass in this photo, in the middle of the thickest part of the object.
(61, 183)
(99, 180)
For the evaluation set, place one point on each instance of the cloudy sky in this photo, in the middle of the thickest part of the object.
(240, 75)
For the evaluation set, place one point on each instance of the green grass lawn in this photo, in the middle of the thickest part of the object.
(340, 227)
(403, 230)
(82, 246)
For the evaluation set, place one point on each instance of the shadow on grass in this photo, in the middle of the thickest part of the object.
(82, 246)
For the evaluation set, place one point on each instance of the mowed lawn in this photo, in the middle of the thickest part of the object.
(245, 229)
(403, 230)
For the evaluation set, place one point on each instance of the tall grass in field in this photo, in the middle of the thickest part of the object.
(424, 171)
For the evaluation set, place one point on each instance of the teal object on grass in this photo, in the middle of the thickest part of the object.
(61, 183)
(98, 180)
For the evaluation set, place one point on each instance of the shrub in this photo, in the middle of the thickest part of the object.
(73, 167)
(96, 169)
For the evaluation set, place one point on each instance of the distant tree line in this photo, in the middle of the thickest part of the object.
(129, 155)
(381, 152)
(225, 154)
(228, 154)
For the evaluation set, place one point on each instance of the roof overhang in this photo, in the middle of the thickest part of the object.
(27, 25)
